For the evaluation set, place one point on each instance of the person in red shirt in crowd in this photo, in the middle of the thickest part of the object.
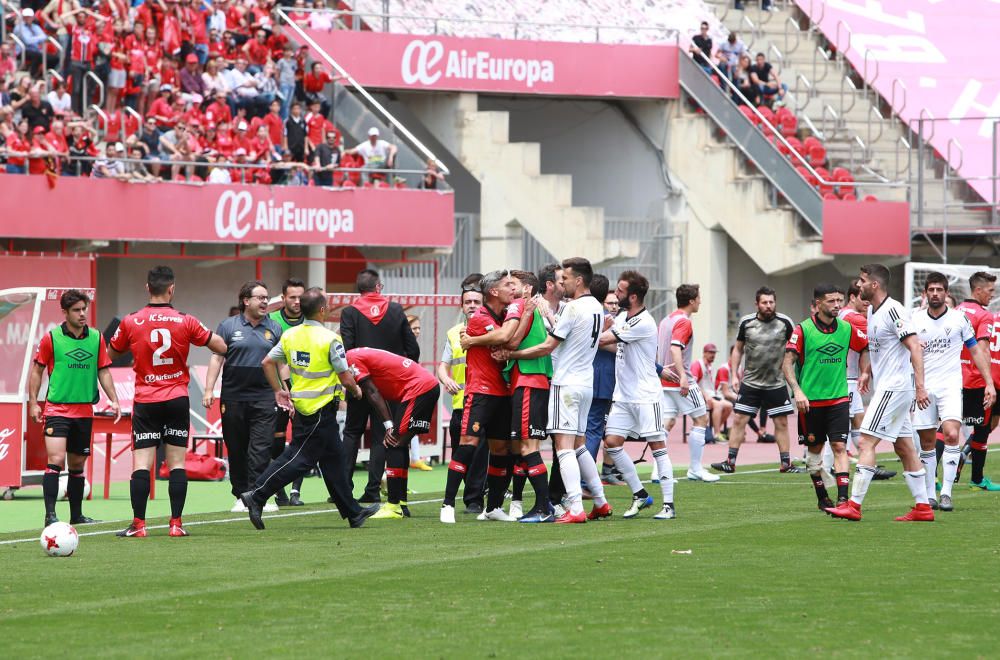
(260, 13)
(241, 140)
(83, 48)
(193, 113)
(216, 44)
(385, 376)
(261, 147)
(313, 84)
(194, 19)
(298, 15)
(224, 140)
(162, 109)
(241, 174)
(317, 126)
(277, 42)
(137, 69)
(159, 338)
(18, 146)
(8, 61)
(168, 72)
(275, 126)
(40, 155)
(119, 60)
(56, 138)
(69, 413)
(218, 111)
(206, 141)
(257, 52)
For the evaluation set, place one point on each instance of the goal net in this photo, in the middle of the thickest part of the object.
(958, 282)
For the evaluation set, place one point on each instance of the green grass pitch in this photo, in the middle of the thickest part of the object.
(767, 575)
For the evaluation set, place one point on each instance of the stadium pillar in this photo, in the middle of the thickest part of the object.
(707, 265)
(316, 275)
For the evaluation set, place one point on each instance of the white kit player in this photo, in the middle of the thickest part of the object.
(943, 332)
(897, 366)
(681, 394)
(635, 407)
(573, 345)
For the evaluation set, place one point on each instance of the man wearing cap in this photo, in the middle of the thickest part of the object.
(190, 76)
(33, 38)
(378, 154)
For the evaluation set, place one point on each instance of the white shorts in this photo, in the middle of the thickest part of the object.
(857, 405)
(945, 405)
(675, 405)
(888, 415)
(642, 420)
(569, 406)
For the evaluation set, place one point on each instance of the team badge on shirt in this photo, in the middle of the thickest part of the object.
(49, 431)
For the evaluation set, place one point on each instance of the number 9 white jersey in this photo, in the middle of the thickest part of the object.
(578, 328)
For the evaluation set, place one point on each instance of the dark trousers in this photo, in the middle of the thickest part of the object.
(78, 70)
(475, 478)
(315, 439)
(597, 419)
(358, 415)
(248, 430)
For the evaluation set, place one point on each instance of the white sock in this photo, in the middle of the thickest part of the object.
(569, 468)
(852, 445)
(696, 445)
(929, 459)
(915, 482)
(863, 475)
(414, 449)
(655, 474)
(949, 464)
(590, 475)
(626, 467)
(827, 457)
(666, 475)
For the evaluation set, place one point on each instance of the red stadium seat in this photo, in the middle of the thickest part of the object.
(824, 188)
(816, 155)
(871, 198)
(849, 197)
(767, 114)
(750, 115)
(811, 141)
(830, 195)
(788, 125)
(795, 143)
(807, 175)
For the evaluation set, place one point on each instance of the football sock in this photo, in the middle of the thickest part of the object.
(949, 465)
(177, 488)
(570, 469)
(978, 456)
(396, 474)
(556, 488)
(538, 475)
(519, 478)
(589, 474)
(863, 475)
(915, 482)
(929, 459)
(625, 466)
(139, 492)
(666, 474)
(733, 453)
(50, 487)
(461, 458)
(696, 445)
(784, 457)
(819, 486)
(497, 478)
(843, 481)
(74, 491)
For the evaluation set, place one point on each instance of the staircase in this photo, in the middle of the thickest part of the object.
(856, 127)
(515, 195)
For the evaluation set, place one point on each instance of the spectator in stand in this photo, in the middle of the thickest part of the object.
(743, 80)
(768, 84)
(287, 68)
(176, 145)
(213, 82)
(117, 78)
(58, 99)
(162, 109)
(33, 38)
(41, 158)
(149, 136)
(701, 48)
(8, 62)
(37, 110)
(267, 90)
(261, 149)
(325, 160)
(81, 150)
(110, 167)
(378, 154)
(275, 124)
(298, 15)
(219, 111)
(241, 140)
(195, 22)
(313, 84)
(134, 168)
(17, 148)
(295, 133)
(61, 14)
(243, 85)
(56, 137)
(730, 52)
(321, 18)
(433, 177)
(219, 175)
(191, 77)
(257, 52)
(289, 173)
(317, 126)
(20, 93)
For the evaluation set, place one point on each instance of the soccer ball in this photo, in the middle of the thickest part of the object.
(59, 540)
(64, 481)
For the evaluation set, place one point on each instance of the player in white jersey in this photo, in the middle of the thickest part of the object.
(635, 407)
(943, 332)
(573, 345)
(897, 366)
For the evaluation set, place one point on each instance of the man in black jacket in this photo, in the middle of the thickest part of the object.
(372, 322)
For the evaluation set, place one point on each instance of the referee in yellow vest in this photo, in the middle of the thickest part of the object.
(318, 365)
(451, 374)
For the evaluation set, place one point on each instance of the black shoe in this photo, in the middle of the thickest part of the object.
(788, 468)
(881, 474)
(767, 437)
(724, 466)
(933, 502)
(254, 510)
(294, 500)
(329, 500)
(475, 508)
(83, 520)
(366, 511)
(825, 503)
(51, 518)
(406, 510)
(367, 498)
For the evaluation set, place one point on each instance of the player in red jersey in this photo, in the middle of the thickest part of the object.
(974, 413)
(385, 376)
(159, 338)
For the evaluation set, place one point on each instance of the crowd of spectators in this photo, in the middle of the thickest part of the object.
(757, 79)
(190, 88)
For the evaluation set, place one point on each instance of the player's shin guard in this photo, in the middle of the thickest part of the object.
(74, 492)
(50, 487)
(863, 475)
(827, 456)
(461, 459)
(570, 469)
(139, 492)
(519, 478)
(497, 479)
(918, 488)
(177, 488)
(949, 468)
(538, 476)
(814, 466)
(666, 470)
(977, 453)
(626, 467)
(590, 475)
(696, 445)
(929, 459)
(396, 474)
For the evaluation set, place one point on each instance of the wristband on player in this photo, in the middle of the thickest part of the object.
(389, 426)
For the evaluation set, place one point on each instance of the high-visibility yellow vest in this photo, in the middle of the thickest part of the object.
(314, 382)
(457, 365)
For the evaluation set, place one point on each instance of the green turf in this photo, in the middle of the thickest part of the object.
(767, 575)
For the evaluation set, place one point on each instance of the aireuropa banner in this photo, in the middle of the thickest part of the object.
(284, 215)
(401, 61)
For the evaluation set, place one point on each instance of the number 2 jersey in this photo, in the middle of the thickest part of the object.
(159, 338)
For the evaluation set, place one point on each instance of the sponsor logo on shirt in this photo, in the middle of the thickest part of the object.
(155, 378)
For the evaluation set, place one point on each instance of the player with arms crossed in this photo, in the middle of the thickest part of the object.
(897, 366)
(76, 358)
(159, 338)
(818, 351)
(635, 408)
(944, 333)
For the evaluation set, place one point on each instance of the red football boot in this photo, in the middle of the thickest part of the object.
(177, 527)
(136, 529)
(919, 513)
(849, 510)
(569, 518)
(599, 512)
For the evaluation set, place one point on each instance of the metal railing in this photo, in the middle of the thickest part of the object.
(22, 54)
(90, 75)
(45, 56)
(796, 30)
